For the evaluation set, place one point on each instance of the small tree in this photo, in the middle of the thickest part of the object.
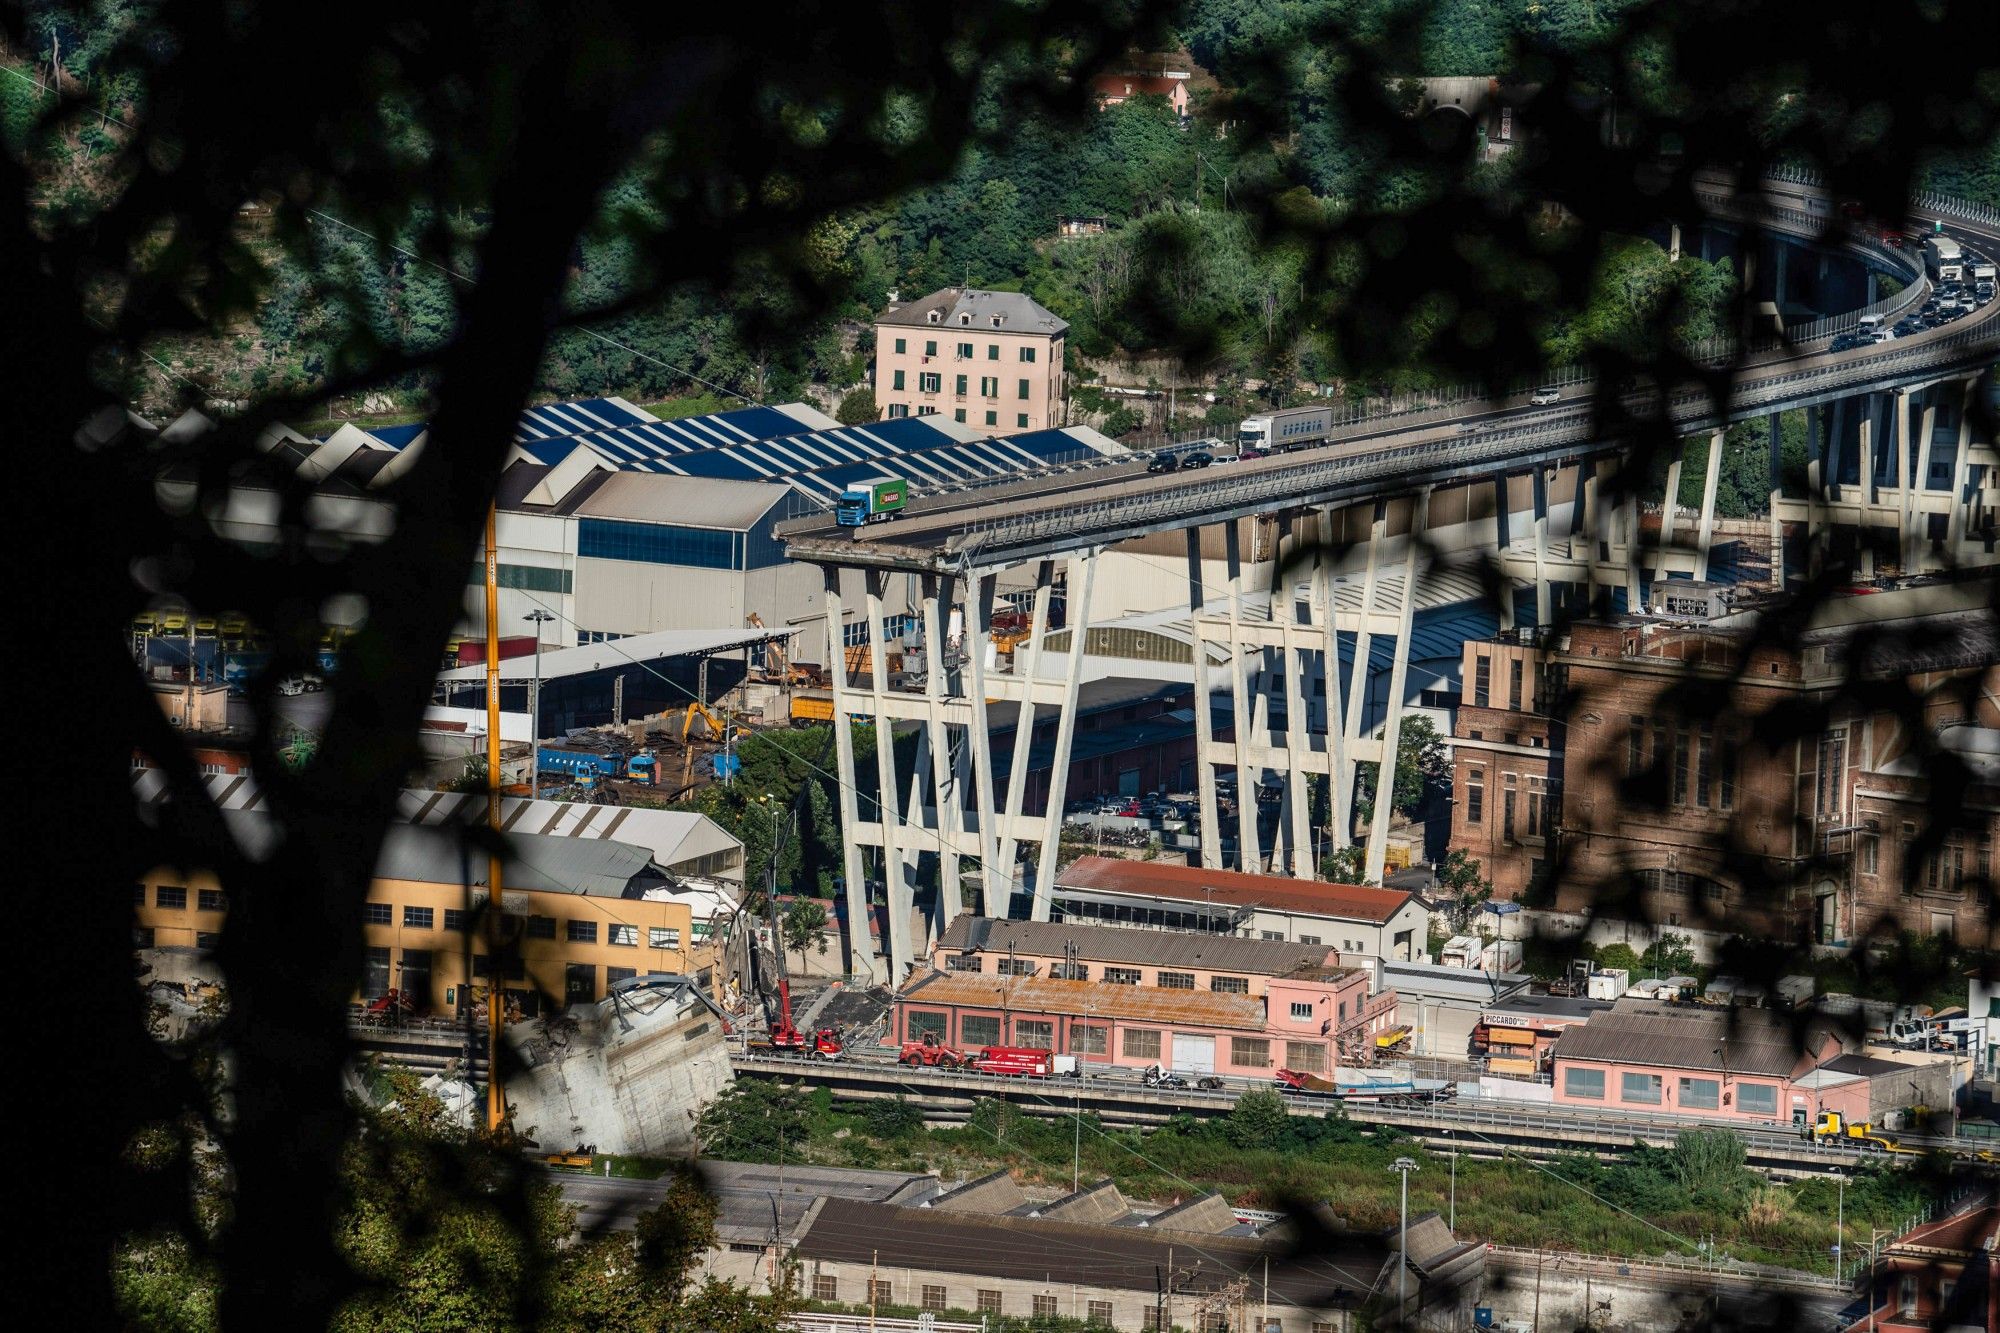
(1462, 885)
(1259, 1120)
(805, 922)
(1347, 865)
(857, 407)
(1671, 955)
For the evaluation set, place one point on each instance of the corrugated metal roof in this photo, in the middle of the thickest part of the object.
(1040, 995)
(1031, 1249)
(1150, 879)
(689, 501)
(1735, 1040)
(1111, 944)
(542, 863)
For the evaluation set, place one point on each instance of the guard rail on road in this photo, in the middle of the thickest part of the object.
(1668, 1268)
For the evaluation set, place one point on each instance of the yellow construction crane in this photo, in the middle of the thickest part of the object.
(718, 728)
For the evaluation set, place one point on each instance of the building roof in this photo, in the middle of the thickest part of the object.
(994, 1192)
(616, 655)
(1207, 1214)
(1112, 944)
(1966, 1233)
(1435, 981)
(1645, 1032)
(1087, 999)
(1017, 313)
(538, 863)
(1036, 1249)
(1150, 879)
(1563, 1008)
(707, 502)
(1864, 1066)
(747, 1194)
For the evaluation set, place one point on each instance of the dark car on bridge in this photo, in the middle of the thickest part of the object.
(1199, 458)
(1163, 463)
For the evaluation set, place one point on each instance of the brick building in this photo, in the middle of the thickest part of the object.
(1724, 775)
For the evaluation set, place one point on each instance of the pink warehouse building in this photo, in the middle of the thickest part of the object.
(1749, 1065)
(1300, 1022)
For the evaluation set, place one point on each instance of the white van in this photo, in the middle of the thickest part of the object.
(1869, 323)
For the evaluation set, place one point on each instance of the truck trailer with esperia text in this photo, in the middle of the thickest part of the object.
(871, 500)
(1293, 428)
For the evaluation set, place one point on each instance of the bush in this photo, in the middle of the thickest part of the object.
(857, 408)
(1259, 1120)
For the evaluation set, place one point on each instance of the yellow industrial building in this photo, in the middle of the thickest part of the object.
(581, 913)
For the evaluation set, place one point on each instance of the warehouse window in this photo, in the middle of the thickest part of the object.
(418, 918)
(1121, 976)
(377, 914)
(142, 937)
(659, 544)
(965, 962)
(1704, 759)
(541, 927)
(1757, 1099)
(1482, 680)
(1635, 745)
(662, 937)
(880, 1292)
(921, 1023)
(454, 920)
(1097, 1312)
(210, 900)
(170, 896)
(1014, 967)
(1475, 794)
(1087, 1038)
(527, 578)
(933, 1298)
(583, 932)
(1176, 980)
(1700, 1094)
(374, 974)
(1302, 1011)
(1254, 1052)
(1037, 1033)
(979, 1030)
(988, 1301)
(825, 1287)
(139, 894)
(1141, 1044)
(1045, 1307)
(614, 975)
(1640, 1089)
(580, 983)
(207, 940)
(1583, 1082)
(1230, 985)
(1308, 1057)
(625, 936)
(1514, 683)
(1069, 971)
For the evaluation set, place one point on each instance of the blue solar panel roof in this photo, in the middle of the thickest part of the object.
(398, 436)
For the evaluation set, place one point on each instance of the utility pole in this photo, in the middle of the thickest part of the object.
(496, 1102)
(536, 617)
(1402, 1166)
(874, 1262)
(1451, 1217)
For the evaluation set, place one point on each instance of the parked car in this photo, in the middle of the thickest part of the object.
(1199, 458)
(1163, 463)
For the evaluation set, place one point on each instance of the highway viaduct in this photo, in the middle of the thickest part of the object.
(1377, 511)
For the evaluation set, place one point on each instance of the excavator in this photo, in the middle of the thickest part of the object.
(717, 728)
(785, 1038)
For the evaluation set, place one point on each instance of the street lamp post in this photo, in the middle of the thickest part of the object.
(536, 617)
(1402, 1166)
(1451, 1217)
(1840, 1219)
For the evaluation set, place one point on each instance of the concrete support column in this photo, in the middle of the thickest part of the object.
(1082, 570)
(1204, 723)
(1501, 538)
(1385, 774)
(1357, 691)
(1705, 531)
(861, 959)
(1777, 488)
(1916, 523)
(1249, 856)
(1961, 500)
(1336, 741)
(946, 762)
(1293, 825)
(1544, 612)
(1027, 660)
(896, 889)
(998, 879)
(1674, 243)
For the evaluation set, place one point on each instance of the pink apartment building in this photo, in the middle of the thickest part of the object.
(1302, 1021)
(989, 360)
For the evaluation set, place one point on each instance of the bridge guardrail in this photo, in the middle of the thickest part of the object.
(1282, 484)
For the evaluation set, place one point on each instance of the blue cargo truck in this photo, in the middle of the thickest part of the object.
(873, 500)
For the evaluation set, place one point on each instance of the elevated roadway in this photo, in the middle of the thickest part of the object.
(1053, 515)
